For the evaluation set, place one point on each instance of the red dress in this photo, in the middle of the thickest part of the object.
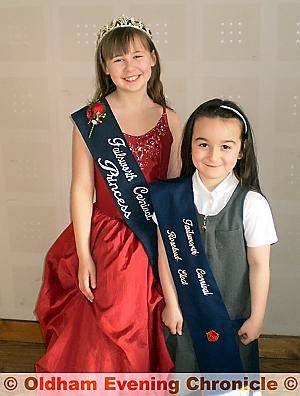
(121, 330)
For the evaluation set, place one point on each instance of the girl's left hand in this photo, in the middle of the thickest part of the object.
(250, 331)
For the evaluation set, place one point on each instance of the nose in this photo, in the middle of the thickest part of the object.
(214, 154)
(128, 64)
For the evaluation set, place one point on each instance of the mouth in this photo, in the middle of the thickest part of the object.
(131, 79)
(212, 166)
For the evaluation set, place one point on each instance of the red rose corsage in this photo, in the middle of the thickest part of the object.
(95, 114)
(212, 336)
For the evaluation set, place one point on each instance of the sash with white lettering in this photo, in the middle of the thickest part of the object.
(202, 305)
(123, 176)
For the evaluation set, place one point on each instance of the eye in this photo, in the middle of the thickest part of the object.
(204, 145)
(138, 56)
(226, 147)
(118, 60)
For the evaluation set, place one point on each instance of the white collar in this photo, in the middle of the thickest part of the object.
(211, 202)
(229, 181)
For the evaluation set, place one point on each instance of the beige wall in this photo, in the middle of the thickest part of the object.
(245, 50)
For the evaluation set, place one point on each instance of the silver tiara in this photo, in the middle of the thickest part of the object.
(122, 22)
(239, 114)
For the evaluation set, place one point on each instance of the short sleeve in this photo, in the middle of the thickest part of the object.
(259, 228)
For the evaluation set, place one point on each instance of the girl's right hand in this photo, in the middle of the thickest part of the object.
(87, 277)
(172, 318)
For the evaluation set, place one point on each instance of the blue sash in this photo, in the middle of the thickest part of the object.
(209, 323)
(123, 176)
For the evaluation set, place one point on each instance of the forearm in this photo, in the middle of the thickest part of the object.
(259, 277)
(167, 284)
(81, 213)
(166, 279)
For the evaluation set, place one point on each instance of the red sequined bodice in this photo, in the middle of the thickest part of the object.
(152, 152)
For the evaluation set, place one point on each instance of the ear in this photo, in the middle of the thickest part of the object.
(105, 69)
(153, 58)
(241, 153)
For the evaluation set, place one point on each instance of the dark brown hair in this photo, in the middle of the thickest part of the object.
(117, 42)
(246, 168)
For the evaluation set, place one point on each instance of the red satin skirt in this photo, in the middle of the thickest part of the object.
(121, 330)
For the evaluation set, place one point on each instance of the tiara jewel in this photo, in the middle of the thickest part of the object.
(123, 21)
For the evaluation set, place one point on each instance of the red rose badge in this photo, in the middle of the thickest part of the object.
(212, 336)
(95, 114)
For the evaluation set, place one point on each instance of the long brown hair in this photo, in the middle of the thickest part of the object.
(246, 168)
(117, 42)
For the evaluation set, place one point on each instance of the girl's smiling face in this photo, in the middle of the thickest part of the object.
(131, 71)
(216, 147)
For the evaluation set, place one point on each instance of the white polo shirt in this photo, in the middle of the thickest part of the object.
(258, 222)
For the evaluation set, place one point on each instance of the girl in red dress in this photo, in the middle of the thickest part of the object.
(100, 305)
